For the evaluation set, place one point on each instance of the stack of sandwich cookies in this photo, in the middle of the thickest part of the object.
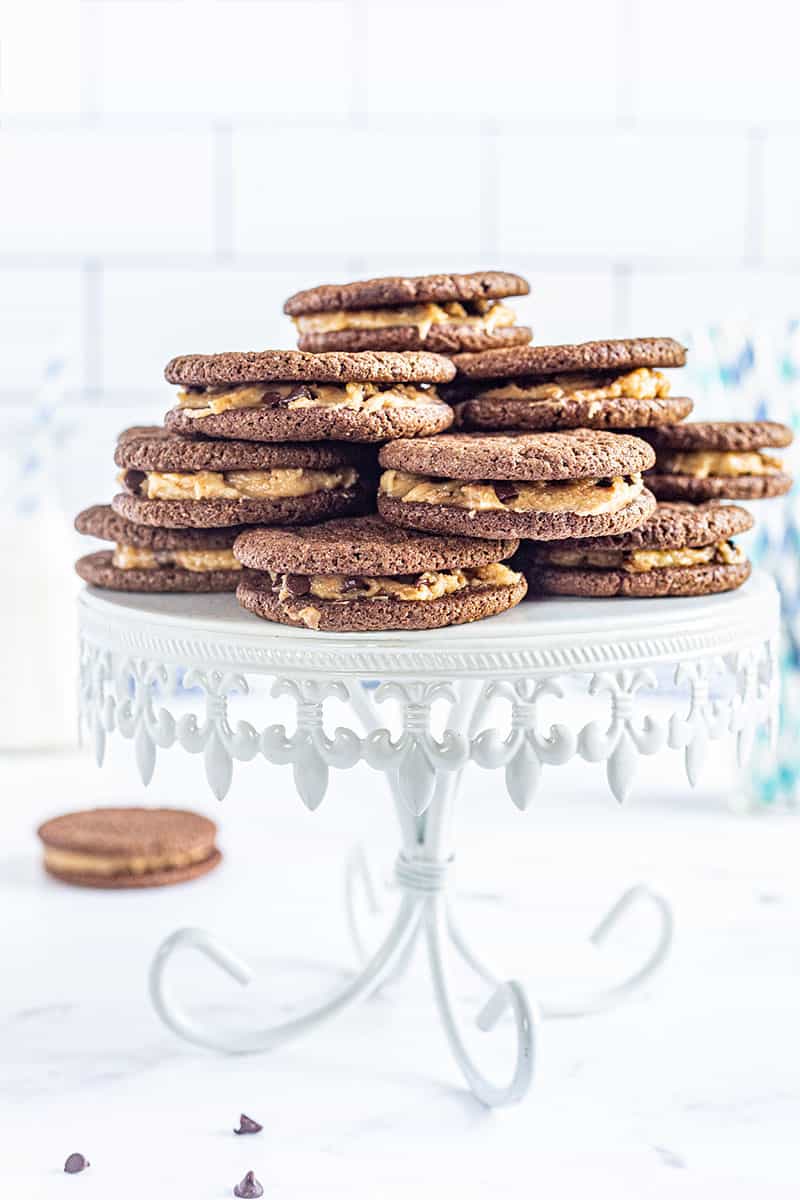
(147, 558)
(705, 460)
(288, 395)
(175, 482)
(682, 550)
(577, 483)
(595, 385)
(362, 575)
(446, 314)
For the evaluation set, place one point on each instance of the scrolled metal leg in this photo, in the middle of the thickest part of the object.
(172, 1013)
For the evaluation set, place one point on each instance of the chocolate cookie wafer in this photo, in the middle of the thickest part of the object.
(288, 395)
(577, 483)
(705, 460)
(177, 482)
(147, 558)
(595, 385)
(446, 314)
(361, 575)
(681, 550)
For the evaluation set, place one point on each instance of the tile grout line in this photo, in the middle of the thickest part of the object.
(92, 286)
(223, 192)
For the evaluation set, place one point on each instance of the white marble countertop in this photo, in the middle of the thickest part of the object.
(691, 1089)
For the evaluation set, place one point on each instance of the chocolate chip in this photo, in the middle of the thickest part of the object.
(605, 483)
(301, 392)
(296, 585)
(132, 481)
(76, 1163)
(248, 1125)
(249, 1188)
(352, 584)
(506, 491)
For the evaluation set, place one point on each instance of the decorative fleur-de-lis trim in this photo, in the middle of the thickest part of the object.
(97, 704)
(214, 737)
(706, 719)
(416, 756)
(524, 750)
(621, 742)
(136, 714)
(309, 749)
(753, 669)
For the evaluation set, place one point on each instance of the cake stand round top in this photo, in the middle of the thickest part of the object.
(539, 636)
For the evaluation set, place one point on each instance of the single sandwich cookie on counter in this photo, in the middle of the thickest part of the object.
(359, 575)
(291, 396)
(443, 313)
(578, 483)
(682, 550)
(129, 847)
(726, 460)
(147, 558)
(594, 385)
(177, 482)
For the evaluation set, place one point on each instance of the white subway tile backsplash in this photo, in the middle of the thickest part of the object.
(695, 61)
(622, 195)
(41, 317)
(211, 59)
(568, 306)
(41, 74)
(781, 197)
(671, 302)
(95, 191)
(312, 191)
(151, 315)
(506, 61)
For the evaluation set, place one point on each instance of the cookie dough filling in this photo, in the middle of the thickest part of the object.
(276, 483)
(357, 397)
(584, 497)
(634, 562)
(297, 592)
(130, 558)
(641, 384)
(483, 315)
(699, 464)
(110, 865)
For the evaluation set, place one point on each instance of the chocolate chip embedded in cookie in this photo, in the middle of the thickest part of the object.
(176, 482)
(362, 575)
(727, 460)
(682, 550)
(534, 485)
(447, 314)
(601, 385)
(129, 847)
(287, 395)
(147, 558)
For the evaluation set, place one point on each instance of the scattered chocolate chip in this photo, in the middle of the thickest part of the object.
(249, 1188)
(248, 1125)
(506, 491)
(296, 585)
(132, 481)
(77, 1163)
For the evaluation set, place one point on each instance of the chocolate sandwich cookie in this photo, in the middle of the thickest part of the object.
(707, 460)
(287, 395)
(443, 313)
(129, 847)
(148, 559)
(177, 482)
(682, 550)
(596, 385)
(579, 483)
(362, 575)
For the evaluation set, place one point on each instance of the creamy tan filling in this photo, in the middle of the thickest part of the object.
(585, 497)
(636, 561)
(272, 484)
(642, 384)
(129, 558)
(489, 315)
(702, 463)
(296, 591)
(359, 397)
(117, 864)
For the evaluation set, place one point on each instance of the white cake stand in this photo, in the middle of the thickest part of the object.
(672, 675)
